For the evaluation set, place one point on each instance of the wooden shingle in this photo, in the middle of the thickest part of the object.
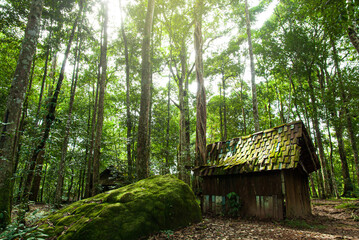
(277, 148)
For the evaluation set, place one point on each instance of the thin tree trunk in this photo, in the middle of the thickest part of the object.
(50, 117)
(348, 185)
(243, 112)
(142, 161)
(353, 37)
(166, 167)
(318, 134)
(43, 183)
(66, 133)
(314, 191)
(89, 177)
(128, 104)
(101, 103)
(269, 105)
(15, 99)
(70, 185)
(224, 108)
(43, 82)
(183, 174)
(347, 113)
(221, 114)
(253, 74)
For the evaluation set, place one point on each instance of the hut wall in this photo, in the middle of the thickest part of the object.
(297, 194)
(260, 194)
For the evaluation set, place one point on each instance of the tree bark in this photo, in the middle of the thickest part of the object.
(15, 99)
(89, 176)
(50, 117)
(101, 103)
(353, 37)
(318, 134)
(66, 133)
(183, 174)
(224, 108)
(347, 113)
(128, 105)
(142, 161)
(243, 112)
(166, 167)
(253, 74)
(201, 122)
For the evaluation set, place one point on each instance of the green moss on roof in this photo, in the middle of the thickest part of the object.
(281, 147)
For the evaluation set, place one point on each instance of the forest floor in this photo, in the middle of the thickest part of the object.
(331, 219)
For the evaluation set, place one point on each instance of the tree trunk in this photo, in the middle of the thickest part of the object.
(318, 134)
(166, 167)
(43, 81)
(101, 102)
(183, 174)
(66, 133)
(347, 113)
(89, 177)
(243, 112)
(314, 191)
(348, 185)
(43, 184)
(353, 36)
(15, 99)
(253, 74)
(221, 114)
(224, 108)
(50, 117)
(128, 105)
(201, 122)
(142, 161)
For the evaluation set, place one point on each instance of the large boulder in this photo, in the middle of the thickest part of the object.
(136, 210)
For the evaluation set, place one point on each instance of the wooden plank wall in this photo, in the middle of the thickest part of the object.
(260, 193)
(297, 194)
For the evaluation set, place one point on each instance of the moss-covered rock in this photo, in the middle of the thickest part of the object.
(137, 210)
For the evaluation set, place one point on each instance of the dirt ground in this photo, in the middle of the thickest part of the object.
(327, 222)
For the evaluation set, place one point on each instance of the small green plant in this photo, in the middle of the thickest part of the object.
(234, 204)
(168, 233)
(301, 224)
(348, 205)
(297, 223)
(19, 230)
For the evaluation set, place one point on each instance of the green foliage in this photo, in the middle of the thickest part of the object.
(348, 205)
(18, 230)
(168, 233)
(301, 224)
(234, 204)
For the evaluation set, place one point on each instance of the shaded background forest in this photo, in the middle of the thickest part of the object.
(306, 57)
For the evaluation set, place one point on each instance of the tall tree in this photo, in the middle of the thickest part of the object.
(253, 73)
(201, 122)
(101, 103)
(38, 153)
(128, 103)
(142, 161)
(66, 132)
(10, 124)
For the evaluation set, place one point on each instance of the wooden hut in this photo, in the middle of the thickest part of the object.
(268, 170)
(111, 178)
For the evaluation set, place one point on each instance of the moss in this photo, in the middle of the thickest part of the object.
(137, 210)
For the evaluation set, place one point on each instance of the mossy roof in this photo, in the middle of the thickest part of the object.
(287, 146)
